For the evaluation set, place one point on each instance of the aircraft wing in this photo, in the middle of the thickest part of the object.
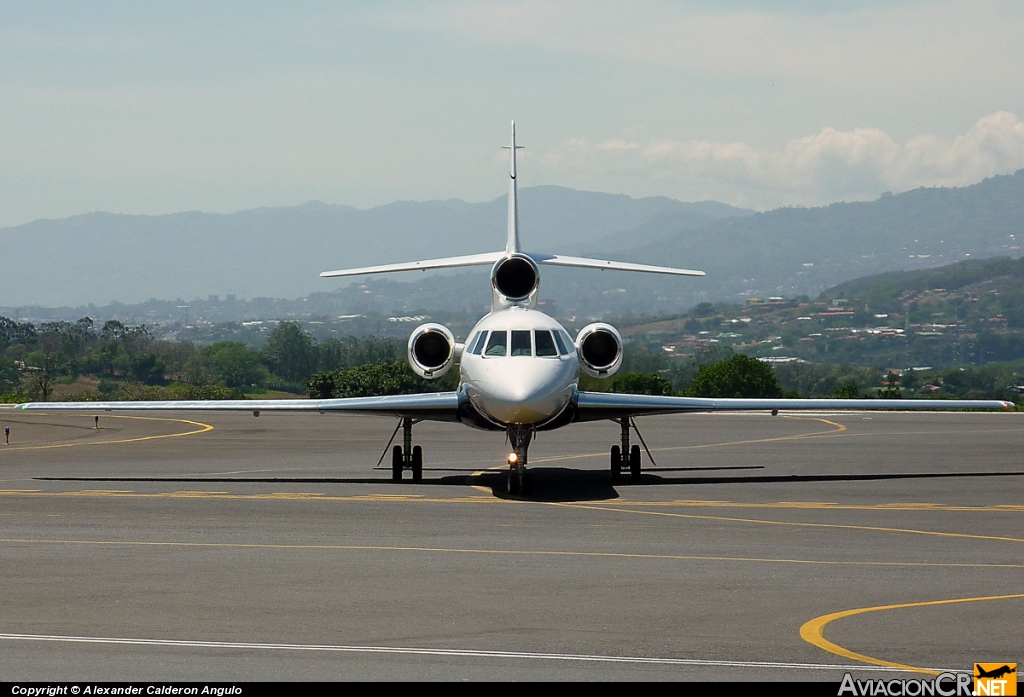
(584, 263)
(594, 406)
(433, 406)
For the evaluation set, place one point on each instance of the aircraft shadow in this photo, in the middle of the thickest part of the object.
(800, 478)
(558, 484)
(552, 484)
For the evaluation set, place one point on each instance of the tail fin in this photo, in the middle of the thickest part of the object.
(512, 245)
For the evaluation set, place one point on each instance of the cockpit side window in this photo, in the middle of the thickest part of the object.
(521, 342)
(571, 347)
(559, 339)
(497, 344)
(478, 343)
(545, 346)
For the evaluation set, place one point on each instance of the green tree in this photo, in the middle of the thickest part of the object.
(199, 374)
(703, 310)
(391, 376)
(12, 332)
(147, 368)
(848, 391)
(43, 367)
(682, 370)
(290, 352)
(739, 376)
(892, 387)
(641, 383)
(352, 351)
(236, 364)
(10, 378)
(321, 386)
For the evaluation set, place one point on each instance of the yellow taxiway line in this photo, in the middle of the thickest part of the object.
(203, 428)
(813, 630)
(760, 521)
(502, 552)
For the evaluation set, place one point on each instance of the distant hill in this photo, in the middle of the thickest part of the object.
(279, 252)
(978, 293)
(888, 287)
(966, 313)
(794, 251)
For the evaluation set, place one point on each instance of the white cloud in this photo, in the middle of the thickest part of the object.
(869, 42)
(831, 165)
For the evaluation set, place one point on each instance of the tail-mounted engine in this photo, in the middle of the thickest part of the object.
(600, 349)
(432, 350)
(515, 279)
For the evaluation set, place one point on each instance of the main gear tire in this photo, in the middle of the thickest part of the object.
(634, 463)
(397, 462)
(417, 463)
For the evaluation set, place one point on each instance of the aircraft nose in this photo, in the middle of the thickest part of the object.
(527, 397)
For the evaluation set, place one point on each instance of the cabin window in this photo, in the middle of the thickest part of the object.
(497, 344)
(521, 342)
(559, 339)
(545, 345)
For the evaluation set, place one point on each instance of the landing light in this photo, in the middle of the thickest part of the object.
(513, 458)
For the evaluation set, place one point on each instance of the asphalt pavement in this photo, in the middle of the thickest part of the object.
(227, 547)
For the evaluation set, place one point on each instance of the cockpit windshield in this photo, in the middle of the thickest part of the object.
(521, 342)
(524, 342)
(497, 344)
(545, 346)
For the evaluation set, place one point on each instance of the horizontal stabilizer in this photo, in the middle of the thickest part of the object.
(446, 263)
(580, 262)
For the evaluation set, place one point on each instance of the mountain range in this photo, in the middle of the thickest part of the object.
(278, 252)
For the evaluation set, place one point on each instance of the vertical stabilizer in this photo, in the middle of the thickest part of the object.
(513, 196)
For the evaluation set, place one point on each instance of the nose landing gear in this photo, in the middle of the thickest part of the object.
(518, 481)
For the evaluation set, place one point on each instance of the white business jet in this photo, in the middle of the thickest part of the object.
(519, 368)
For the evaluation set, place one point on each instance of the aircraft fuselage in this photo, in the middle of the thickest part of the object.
(519, 366)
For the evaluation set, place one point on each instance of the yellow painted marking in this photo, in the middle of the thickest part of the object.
(616, 506)
(812, 631)
(817, 434)
(279, 496)
(839, 428)
(520, 552)
(102, 492)
(821, 505)
(480, 473)
(203, 428)
(872, 528)
(192, 494)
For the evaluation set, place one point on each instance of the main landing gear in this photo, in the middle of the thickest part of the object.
(406, 456)
(624, 457)
(518, 481)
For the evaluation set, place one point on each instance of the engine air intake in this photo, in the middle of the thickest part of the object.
(516, 277)
(432, 350)
(600, 349)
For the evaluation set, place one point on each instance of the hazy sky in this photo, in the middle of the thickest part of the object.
(161, 107)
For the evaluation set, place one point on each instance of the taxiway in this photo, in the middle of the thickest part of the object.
(225, 547)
